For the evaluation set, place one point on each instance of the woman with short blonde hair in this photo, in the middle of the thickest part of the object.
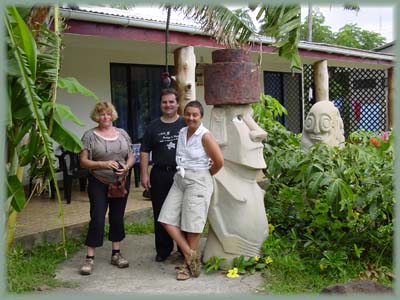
(107, 154)
(103, 107)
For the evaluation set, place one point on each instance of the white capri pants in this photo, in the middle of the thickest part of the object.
(188, 200)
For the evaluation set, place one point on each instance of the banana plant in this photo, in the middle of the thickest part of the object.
(34, 120)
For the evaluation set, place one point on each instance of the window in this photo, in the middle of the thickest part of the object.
(135, 93)
(287, 89)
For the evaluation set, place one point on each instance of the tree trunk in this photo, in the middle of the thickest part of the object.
(321, 80)
(185, 67)
(310, 23)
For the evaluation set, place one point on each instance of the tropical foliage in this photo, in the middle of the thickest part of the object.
(331, 208)
(235, 28)
(328, 217)
(349, 35)
(34, 121)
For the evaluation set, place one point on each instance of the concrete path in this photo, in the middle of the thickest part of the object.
(145, 276)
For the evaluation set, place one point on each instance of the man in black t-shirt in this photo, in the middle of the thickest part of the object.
(160, 139)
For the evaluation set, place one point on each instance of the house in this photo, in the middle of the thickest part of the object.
(387, 48)
(120, 56)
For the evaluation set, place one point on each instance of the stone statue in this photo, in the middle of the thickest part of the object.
(185, 82)
(237, 218)
(323, 124)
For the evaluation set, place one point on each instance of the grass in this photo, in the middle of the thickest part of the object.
(281, 279)
(291, 272)
(288, 274)
(135, 228)
(31, 271)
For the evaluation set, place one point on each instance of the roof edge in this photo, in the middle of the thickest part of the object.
(71, 13)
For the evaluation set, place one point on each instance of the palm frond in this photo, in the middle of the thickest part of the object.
(227, 27)
(283, 23)
(233, 29)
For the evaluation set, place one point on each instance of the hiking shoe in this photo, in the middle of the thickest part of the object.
(118, 260)
(87, 267)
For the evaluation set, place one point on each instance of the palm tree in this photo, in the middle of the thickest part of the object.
(353, 7)
(232, 28)
(281, 23)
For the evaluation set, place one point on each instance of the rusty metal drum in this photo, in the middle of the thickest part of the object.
(232, 78)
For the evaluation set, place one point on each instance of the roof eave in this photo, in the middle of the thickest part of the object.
(128, 21)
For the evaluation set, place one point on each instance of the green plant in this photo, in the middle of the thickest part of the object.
(322, 200)
(134, 228)
(328, 200)
(27, 271)
(294, 271)
(241, 264)
(251, 264)
(334, 259)
(214, 263)
(34, 119)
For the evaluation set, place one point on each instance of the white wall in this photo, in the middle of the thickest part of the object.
(89, 62)
(88, 59)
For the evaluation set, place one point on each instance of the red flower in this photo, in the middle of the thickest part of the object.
(374, 141)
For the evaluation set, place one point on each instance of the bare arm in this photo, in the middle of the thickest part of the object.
(214, 152)
(144, 170)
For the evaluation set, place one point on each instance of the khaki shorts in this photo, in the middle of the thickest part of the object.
(188, 200)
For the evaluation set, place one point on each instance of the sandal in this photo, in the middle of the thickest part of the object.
(182, 272)
(194, 263)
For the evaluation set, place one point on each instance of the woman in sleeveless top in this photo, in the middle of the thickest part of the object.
(108, 155)
(184, 212)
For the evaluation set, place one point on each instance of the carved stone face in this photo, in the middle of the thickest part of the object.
(185, 73)
(323, 124)
(238, 135)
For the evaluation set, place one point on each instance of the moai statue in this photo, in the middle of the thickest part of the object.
(323, 124)
(185, 81)
(237, 218)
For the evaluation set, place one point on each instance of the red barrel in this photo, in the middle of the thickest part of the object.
(232, 78)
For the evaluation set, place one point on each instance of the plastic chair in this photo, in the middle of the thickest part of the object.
(70, 167)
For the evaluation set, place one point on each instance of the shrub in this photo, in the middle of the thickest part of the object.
(334, 203)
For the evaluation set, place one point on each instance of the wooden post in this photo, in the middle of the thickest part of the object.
(390, 97)
(185, 82)
(321, 80)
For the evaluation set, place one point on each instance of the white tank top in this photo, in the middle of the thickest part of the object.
(190, 155)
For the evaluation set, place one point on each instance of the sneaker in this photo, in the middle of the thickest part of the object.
(118, 260)
(87, 267)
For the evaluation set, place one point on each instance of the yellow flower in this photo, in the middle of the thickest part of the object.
(268, 260)
(322, 266)
(233, 273)
(355, 214)
(256, 258)
(271, 228)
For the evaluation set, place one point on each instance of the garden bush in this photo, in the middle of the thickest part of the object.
(334, 204)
